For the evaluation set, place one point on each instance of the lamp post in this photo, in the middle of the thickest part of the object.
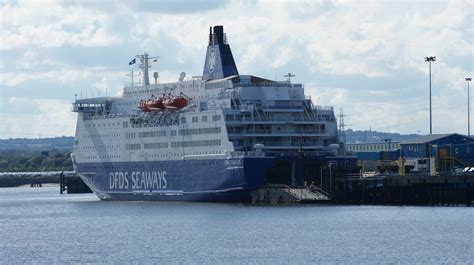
(429, 60)
(468, 79)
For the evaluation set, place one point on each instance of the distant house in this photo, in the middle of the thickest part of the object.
(422, 147)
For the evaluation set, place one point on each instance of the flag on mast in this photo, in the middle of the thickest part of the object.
(132, 61)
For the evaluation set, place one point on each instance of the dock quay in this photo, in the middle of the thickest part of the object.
(68, 180)
(440, 190)
(283, 194)
(420, 189)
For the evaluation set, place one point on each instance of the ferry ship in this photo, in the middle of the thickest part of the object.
(215, 137)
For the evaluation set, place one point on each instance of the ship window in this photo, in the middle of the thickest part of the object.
(195, 119)
(216, 117)
(133, 146)
(204, 118)
(155, 145)
(183, 119)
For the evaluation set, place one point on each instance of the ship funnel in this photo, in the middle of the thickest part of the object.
(219, 61)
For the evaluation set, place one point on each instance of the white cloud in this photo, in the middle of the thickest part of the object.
(49, 24)
(347, 52)
(51, 118)
(60, 75)
(334, 96)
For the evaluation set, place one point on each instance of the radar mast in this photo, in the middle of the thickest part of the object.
(144, 66)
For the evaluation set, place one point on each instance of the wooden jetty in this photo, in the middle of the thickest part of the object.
(68, 180)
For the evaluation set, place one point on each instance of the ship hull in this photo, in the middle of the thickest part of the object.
(202, 180)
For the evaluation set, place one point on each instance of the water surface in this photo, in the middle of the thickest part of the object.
(40, 225)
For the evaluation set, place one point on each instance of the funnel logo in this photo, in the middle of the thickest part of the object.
(212, 60)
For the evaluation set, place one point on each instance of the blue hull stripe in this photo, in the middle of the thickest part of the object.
(196, 180)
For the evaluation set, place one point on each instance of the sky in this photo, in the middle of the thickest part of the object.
(364, 57)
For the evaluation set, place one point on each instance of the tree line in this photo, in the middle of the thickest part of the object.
(27, 161)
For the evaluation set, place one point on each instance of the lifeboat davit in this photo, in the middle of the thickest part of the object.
(142, 106)
(175, 103)
(155, 105)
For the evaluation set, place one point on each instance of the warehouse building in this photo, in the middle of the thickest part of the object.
(438, 152)
(423, 146)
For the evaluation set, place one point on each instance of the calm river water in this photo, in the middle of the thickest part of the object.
(37, 225)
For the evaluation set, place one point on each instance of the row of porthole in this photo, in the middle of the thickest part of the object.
(99, 157)
(103, 124)
(101, 135)
(94, 147)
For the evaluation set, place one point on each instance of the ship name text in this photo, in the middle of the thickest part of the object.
(138, 180)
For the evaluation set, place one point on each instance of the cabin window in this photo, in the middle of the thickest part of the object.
(133, 146)
(216, 117)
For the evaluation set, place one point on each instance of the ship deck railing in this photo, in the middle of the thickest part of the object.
(268, 131)
(294, 152)
(277, 134)
(269, 84)
(268, 144)
(252, 107)
(279, 119)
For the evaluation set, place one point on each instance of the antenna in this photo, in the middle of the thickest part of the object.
(342, 129)
(289, 76)
(144, 65)
(132, 77)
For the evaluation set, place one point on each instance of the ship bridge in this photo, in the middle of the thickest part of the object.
(101, 105)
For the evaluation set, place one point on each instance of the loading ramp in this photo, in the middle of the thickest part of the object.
(283, 194)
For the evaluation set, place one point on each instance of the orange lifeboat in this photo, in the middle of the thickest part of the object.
(155, 104)
(175, 103)
(142, 106)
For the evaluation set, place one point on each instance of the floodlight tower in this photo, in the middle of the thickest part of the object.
(468, 79)
(429, 60)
